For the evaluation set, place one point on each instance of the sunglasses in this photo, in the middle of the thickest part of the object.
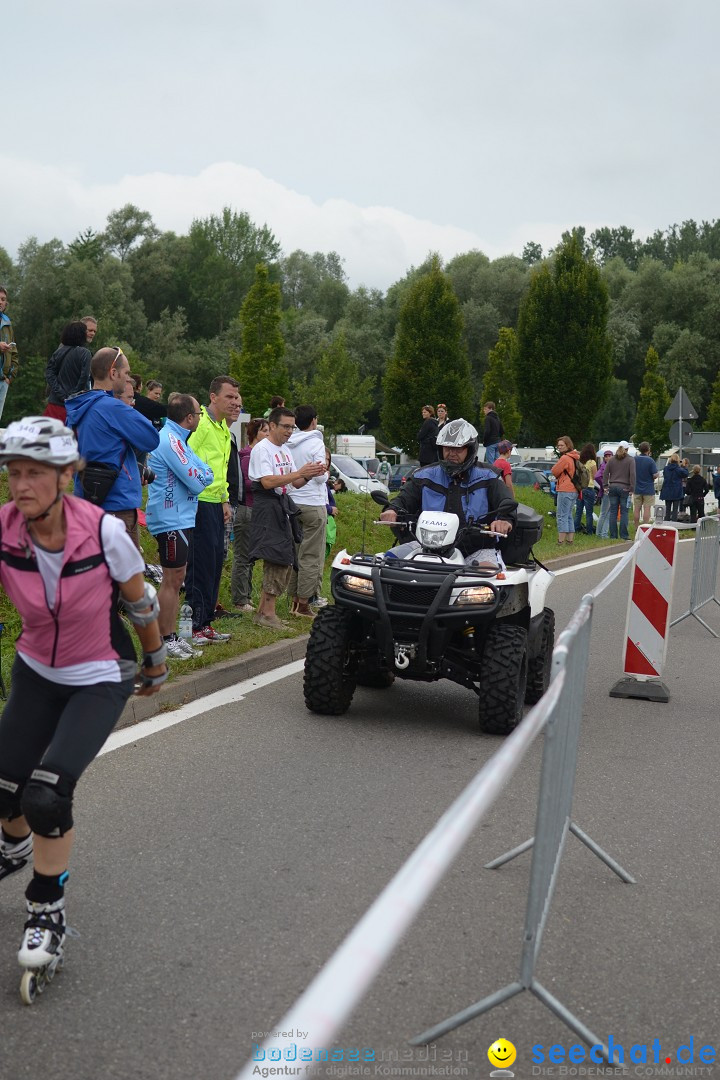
(117, 357)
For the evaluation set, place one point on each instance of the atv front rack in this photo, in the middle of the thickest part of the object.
(413, 601)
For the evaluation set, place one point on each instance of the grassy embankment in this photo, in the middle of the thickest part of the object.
(354, 524)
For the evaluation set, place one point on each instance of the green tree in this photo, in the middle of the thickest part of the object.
(532, 253)
(87, 245)
(224, 252)
(260, 366)
(564, 360)
(125, 228)
(429, 362)
(616, 417)
(650, 423)
(338, 390)
(712, 420)
(499, 384)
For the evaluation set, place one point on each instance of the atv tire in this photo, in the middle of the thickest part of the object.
(329, 680)
(504, 671)
(539, 665)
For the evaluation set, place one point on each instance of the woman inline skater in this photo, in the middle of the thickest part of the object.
(64, 565)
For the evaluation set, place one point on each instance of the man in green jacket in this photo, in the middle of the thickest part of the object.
(211, 443)
(8, 350)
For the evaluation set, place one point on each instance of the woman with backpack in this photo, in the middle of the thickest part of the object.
(586, 498)
(564, 470)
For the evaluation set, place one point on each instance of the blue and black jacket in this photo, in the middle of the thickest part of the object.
(478, 494)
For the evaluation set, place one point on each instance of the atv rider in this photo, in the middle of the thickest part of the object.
(458, 484)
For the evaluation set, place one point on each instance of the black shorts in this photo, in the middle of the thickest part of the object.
(174, 547)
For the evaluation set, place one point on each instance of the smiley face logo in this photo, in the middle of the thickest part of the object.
(502, 1053)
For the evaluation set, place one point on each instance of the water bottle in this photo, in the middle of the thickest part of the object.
(185, 624)
(659, 515)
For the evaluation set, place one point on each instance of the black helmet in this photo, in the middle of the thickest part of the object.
(458, 433)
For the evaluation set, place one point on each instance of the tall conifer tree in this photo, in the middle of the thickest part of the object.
(564, 361)
(429, 362)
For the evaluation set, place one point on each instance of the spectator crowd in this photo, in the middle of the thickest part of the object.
(272, 496)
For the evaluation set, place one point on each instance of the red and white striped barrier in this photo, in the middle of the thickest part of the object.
(648, 616)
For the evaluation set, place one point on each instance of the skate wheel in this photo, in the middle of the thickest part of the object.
(28, 987)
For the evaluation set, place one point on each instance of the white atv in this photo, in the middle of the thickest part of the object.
(433, 614)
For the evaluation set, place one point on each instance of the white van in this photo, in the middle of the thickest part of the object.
(354, 476)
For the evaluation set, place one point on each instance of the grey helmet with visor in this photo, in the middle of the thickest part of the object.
(456, 434)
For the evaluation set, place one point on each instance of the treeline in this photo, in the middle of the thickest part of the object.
(225, 297)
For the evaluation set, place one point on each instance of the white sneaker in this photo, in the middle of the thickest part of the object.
(175, 650)
(187, 648)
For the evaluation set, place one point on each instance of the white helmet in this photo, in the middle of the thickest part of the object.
(458, 433)
(42, 438)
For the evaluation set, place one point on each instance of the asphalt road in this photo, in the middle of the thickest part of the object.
(222, 860)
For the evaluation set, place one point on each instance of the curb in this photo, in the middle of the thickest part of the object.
(198, 684)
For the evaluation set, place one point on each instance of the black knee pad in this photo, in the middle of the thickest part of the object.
(10, 793)
(47, 803)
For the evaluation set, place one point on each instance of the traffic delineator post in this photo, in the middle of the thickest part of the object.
(648, 617)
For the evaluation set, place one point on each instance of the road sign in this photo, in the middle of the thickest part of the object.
(680, 433)
(681, 407)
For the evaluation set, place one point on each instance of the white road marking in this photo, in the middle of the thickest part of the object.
(605, 559)
(205, 704)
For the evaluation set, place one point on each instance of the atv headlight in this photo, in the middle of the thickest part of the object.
(432, 538)
(479, 595)
(359, 584)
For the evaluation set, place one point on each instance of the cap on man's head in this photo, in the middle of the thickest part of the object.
(504, 447)
(625, 445)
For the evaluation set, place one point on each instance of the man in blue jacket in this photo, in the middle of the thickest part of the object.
(458, 484)
(180, 476)
(108, 433)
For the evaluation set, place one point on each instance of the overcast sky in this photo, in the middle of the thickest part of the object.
(381, 129)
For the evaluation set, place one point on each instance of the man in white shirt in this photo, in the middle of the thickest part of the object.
(306, 444)
(273, 474)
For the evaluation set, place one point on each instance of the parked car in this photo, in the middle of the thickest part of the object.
(401, 473)
(353, 475)
(542, 465)
(369, 463)
(524, 477)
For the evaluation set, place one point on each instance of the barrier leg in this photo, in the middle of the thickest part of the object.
(506, 858)
(470, 1013)
(584, 838)
(569, 1018)
(601, 854)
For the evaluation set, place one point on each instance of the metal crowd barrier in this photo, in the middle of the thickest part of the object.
(704, 571)
(330, 998)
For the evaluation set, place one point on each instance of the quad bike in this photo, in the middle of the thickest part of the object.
(430, 614)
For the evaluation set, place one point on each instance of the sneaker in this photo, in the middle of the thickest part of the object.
(213, 636)
(176, 651)
(14, 856)
(223, 613)
(320, 602)
(199, 639)
(187, 647)
(44, 934)
(245, 607)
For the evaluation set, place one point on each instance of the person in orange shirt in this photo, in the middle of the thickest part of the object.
(563, 470)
